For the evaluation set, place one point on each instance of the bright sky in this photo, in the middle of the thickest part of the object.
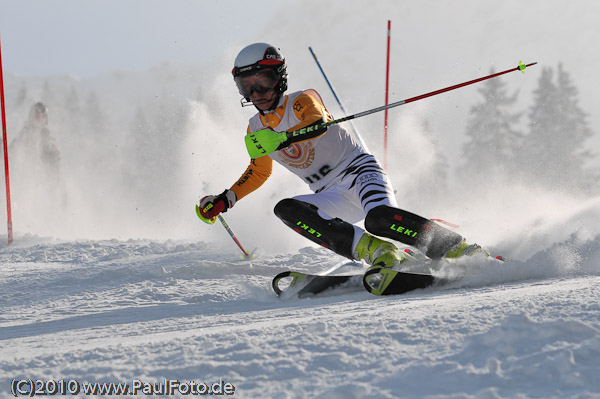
(88, 37)
(434, 43)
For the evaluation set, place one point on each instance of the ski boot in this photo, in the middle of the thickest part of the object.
(377, 252)
(464, 249)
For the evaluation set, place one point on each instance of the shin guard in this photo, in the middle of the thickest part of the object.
(411, 229)
(305, 219)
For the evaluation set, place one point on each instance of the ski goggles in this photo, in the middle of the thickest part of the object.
(260, 82)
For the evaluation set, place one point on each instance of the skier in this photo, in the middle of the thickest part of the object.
(35, 162)
(348, 183)
(34, 149)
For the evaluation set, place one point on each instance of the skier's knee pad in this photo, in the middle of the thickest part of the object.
(411, 229)
(305, 219)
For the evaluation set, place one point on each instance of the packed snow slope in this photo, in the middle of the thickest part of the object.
(117, 281)
(146, 311)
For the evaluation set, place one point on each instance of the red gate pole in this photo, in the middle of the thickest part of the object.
(5, 146)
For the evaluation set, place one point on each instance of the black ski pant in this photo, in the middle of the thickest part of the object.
(384, 221)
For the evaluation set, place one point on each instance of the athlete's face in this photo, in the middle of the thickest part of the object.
(259, 88)
(39, 119)
(263, 101)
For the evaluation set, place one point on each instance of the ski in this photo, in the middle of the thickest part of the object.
(304, 285)
(386, 281)
(376, 280)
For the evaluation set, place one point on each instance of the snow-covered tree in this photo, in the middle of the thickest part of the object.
(22, 95)
(48, 95)
(437, 179)
(72, 104)
(492, 134)
(95, 115)
(153, 148)
(554, 152)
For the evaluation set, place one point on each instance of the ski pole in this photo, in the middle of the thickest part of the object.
(324, 125)
(356, 134)
(387, 91)
(224, 223)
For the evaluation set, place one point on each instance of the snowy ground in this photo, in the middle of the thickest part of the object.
(152, 311)
(142, 311)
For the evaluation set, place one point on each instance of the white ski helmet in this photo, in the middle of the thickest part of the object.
(260, 58)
